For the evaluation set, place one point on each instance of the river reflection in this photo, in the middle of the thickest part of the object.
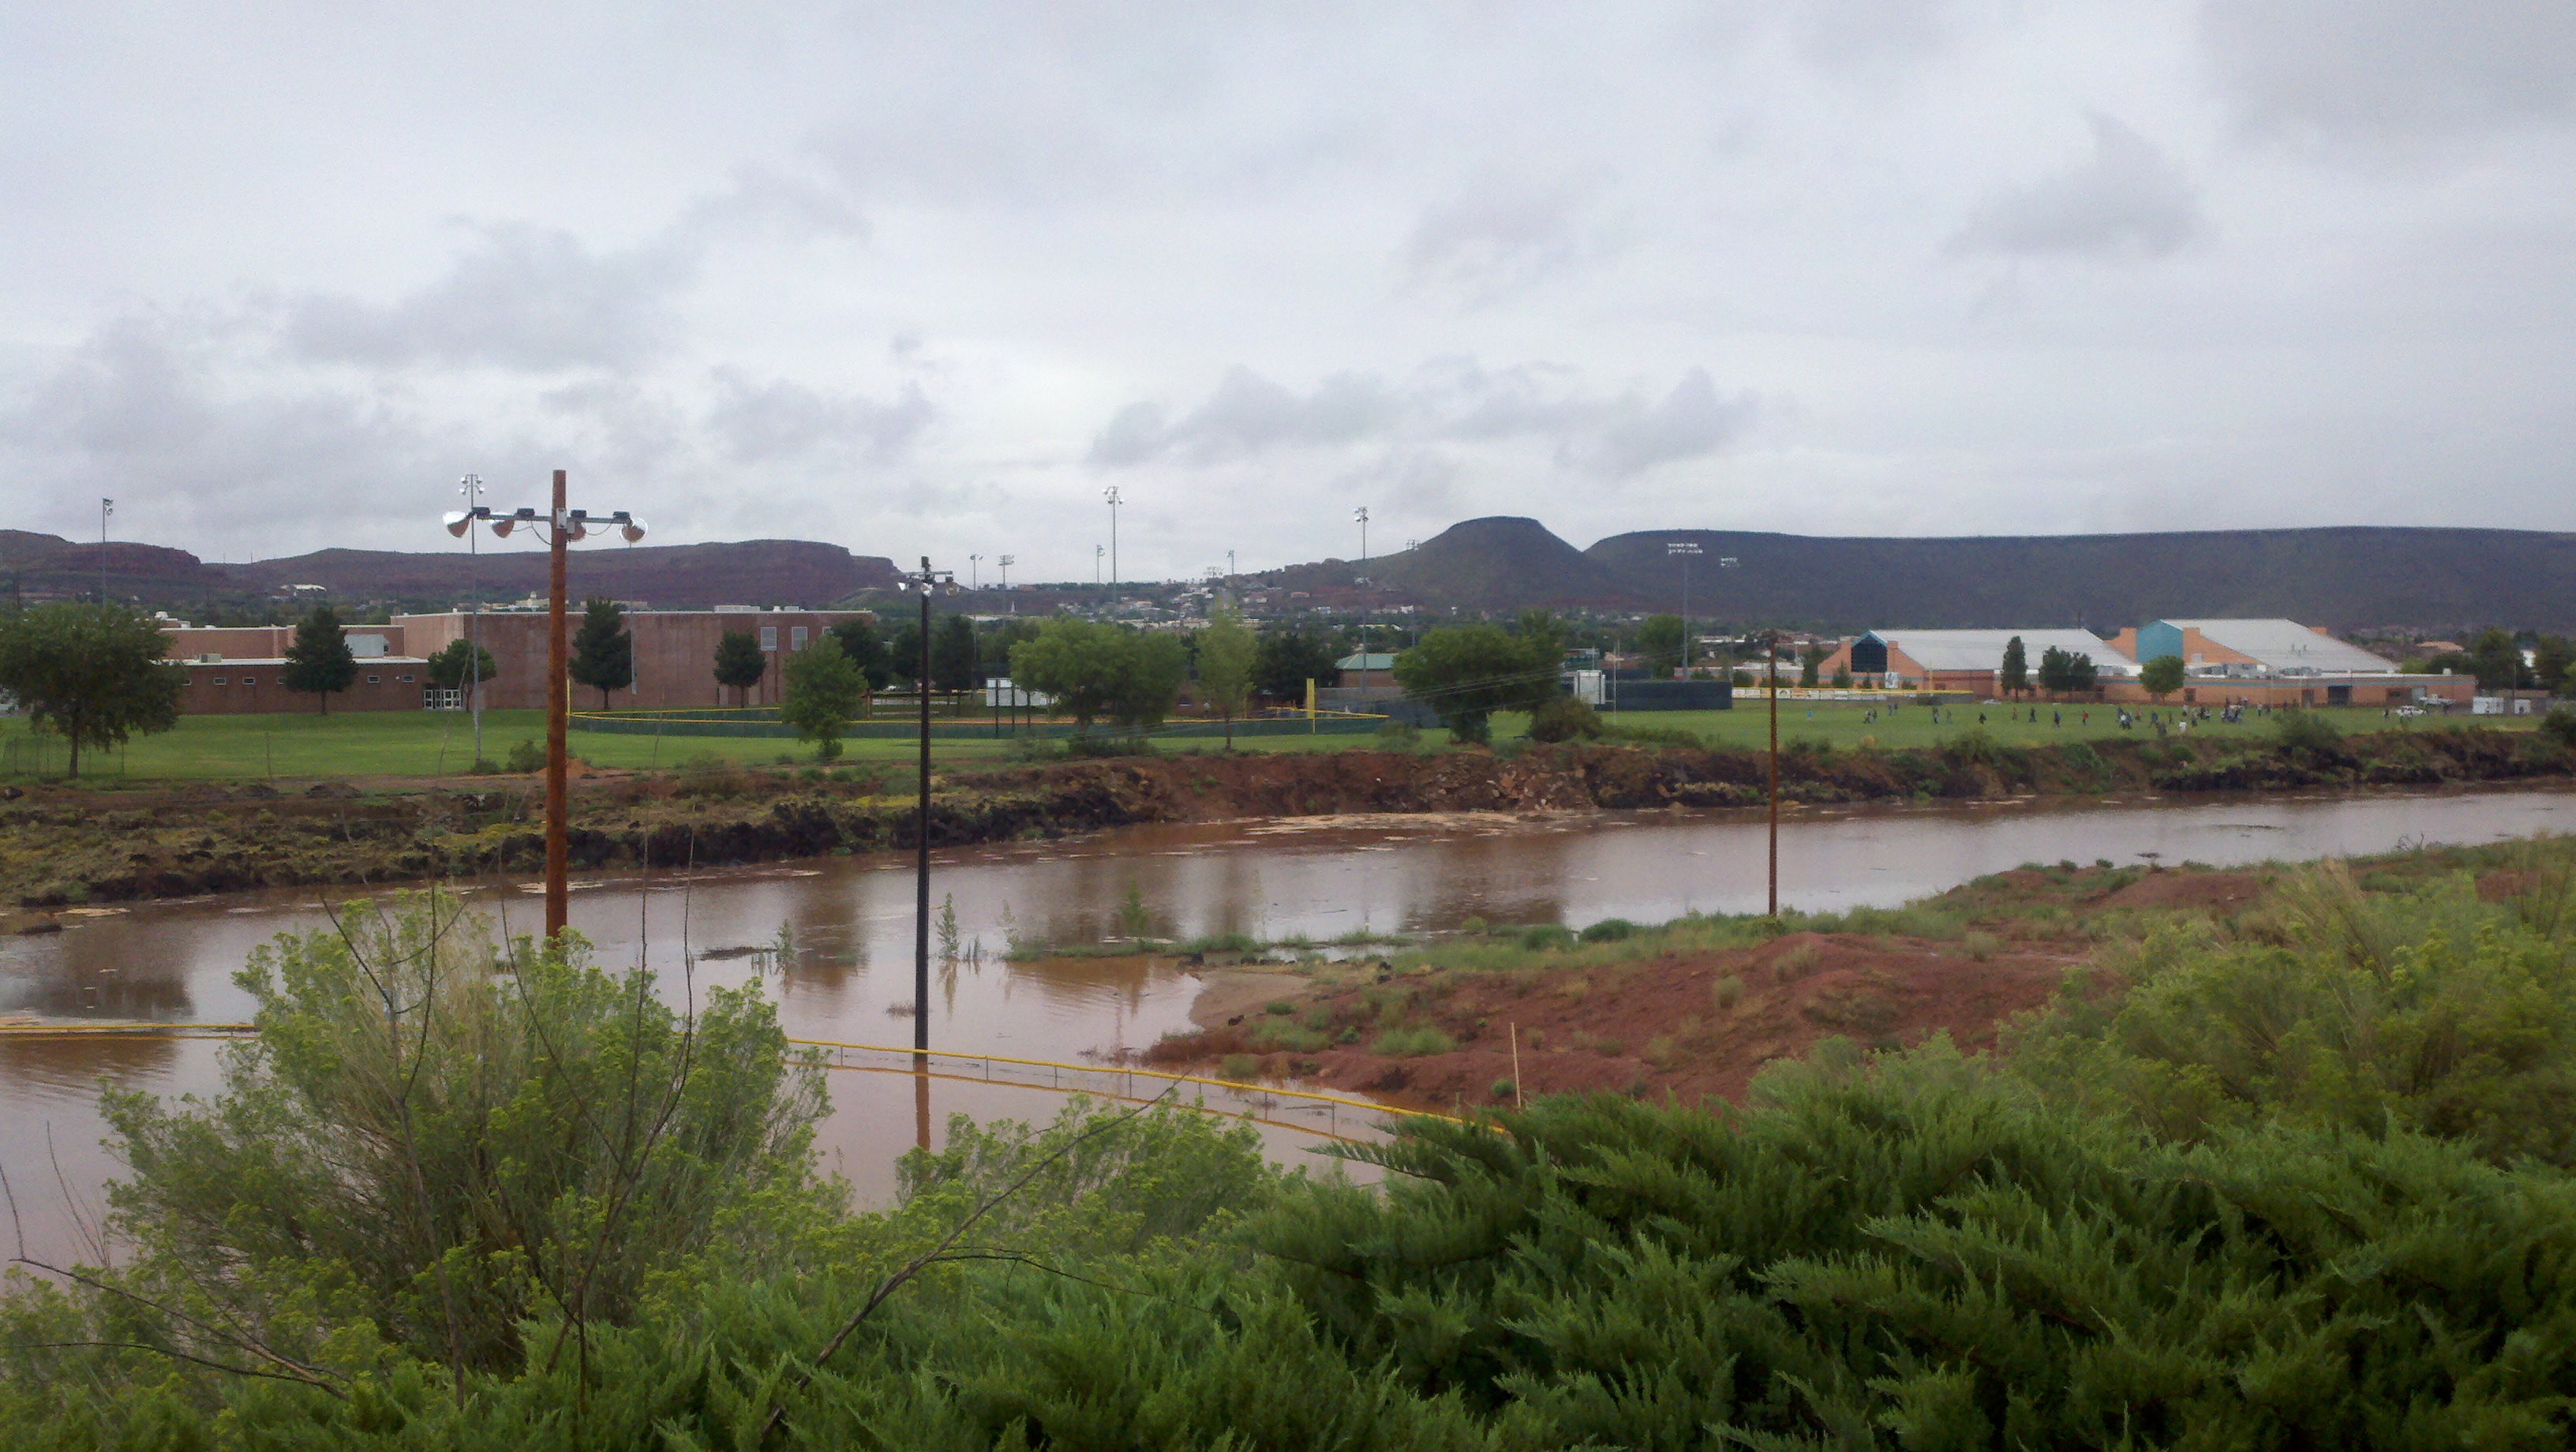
(846, 924)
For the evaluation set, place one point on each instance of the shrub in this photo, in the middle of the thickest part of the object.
(1272, 1035)
(1279, 1006)
(1411, 1043)
(1654, 736)
(2301, 732)
(1241, 1068)
(1393, 735)
(1982, 945)
(2560, 726)
(1609, 930)
(1544, 936)
(1564, 719)
(1502, 1089)
(526, 756)
(1726, 992)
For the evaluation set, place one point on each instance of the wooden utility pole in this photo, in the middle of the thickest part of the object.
(558, 887)
(1771, 650)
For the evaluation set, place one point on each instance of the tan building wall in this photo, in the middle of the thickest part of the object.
(246, 685)
(675, 652)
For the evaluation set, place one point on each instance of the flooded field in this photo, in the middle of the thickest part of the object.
(832, 939)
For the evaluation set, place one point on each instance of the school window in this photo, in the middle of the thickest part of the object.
(219, 680)
(796, 638)
(373, 680)
(402, 680)
(769, 637)
(246, 680)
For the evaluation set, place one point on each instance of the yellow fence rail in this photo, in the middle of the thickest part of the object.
(1062, 1078)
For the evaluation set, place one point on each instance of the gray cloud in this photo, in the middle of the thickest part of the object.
(1503, 234)
(522, 297)
(1843, 33)
(781, 419)
(2383, 70)
(1452, 401)
(2128, 201)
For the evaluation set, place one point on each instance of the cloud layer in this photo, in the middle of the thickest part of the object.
(926, 280)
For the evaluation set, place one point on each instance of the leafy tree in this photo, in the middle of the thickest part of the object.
(2549, 662)
(319, 661)
(1810, 664)
(1286, 659)
(903, 652)
(1468, 672)
(740, 663)
(2015, 676)
(92, 674)
(866, 650)
(953, 655)
(2497, 661)
(2162, 676)
(821, 690)
(461, 658)
(1094, 670)
(1659, 639)
(2066, 671)
(603, 650)
(1225, 659)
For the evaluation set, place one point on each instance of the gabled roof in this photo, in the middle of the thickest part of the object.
(2286, 645)
(1983, 650)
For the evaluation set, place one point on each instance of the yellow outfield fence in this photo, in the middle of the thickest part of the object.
(1306, 1110)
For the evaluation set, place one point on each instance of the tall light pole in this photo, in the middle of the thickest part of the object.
(1687, 552)
(471, 487)
(923, 582)
(974, 572)
(1111, 494)
(1229, 564)
(1360, 515)
(1096, 552)
(106, 507)
(1006, 561)
(1771, 659)
(561, 526)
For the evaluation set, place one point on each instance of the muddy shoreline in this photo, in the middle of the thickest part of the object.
(59, 847)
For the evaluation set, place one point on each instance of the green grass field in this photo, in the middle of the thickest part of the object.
(440, 743)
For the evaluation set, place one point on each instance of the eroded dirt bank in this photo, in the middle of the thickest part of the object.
(1461, 1024)
(61, 846)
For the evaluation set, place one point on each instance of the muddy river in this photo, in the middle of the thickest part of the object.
(832, 939)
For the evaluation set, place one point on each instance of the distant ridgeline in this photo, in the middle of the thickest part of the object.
(677, 577)
(2352, 578)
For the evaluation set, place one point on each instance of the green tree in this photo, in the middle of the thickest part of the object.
(1225, 657)
(1659, 639)
(93, 675)
(866, 650)
(2498, 661)
(739, 663)
(1285, 660)
(821, 690)
(1468, 672)
(1810, 664)
(903, 652)
(319, 661)
(1094, 670)
(953, 654)
(2549, 662)
(449, 669)
(2162, 676)
(603, 650)
(2015, 676)
(2064, 671)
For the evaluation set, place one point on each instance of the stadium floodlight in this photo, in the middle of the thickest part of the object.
(559, 526)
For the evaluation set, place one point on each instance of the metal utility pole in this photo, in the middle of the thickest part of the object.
(561, 526)
(106, 507)
(1361, 515)
(471, 486)
(974, 572)
(1096, 552)
(1687, 552)
(1006, 561)
(1114, 501)
(924, 581)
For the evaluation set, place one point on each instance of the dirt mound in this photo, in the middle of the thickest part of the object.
(2187, 889)
(1688, 1025)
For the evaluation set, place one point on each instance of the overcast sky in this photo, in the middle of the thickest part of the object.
(928, 277)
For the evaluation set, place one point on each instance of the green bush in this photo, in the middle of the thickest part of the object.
(1564, 718)
(1545, 935)
(1609, 930)
(2560, 726)
(1411, 1043)
(526, 756)
(1394, 735)
(2299, 732)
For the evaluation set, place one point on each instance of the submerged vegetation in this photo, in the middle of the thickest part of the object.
(2287, 1166)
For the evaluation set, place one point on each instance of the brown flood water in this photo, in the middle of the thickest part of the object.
(851, 925)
